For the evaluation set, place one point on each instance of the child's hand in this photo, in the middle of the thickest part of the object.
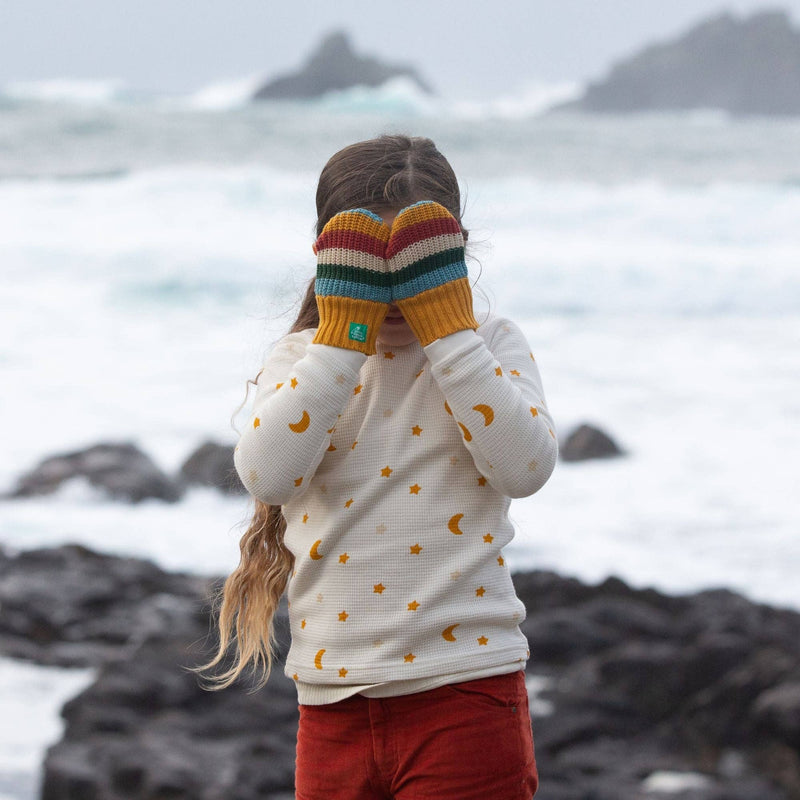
(352, 286)
(430, 283)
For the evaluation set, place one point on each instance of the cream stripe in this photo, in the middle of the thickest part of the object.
(338, 255)
(426, 247)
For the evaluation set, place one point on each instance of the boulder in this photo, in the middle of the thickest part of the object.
(335, 66)
(72, 607)
(121, 470)
(587, 442)
(741, 65)
(211, 464)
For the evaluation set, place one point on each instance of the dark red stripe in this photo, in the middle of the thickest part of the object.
(422, 230)
(352, 240)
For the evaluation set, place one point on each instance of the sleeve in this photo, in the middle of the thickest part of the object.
(494, 392)
(301, 391)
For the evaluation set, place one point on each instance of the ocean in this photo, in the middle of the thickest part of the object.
(154, 247)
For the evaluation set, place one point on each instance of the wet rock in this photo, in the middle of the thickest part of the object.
(335, 66)
(778, 711)
(587, 442)
(212, 465)
(72, 607)
(121, 470)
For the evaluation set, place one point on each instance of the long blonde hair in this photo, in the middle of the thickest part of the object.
(389, 172)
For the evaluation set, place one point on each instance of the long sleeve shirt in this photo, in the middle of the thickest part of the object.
(395, 473)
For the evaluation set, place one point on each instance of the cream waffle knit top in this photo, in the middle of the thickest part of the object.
(395, 473)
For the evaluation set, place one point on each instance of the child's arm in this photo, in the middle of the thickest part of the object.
(301, 392)
(303, 389)
(494, 392)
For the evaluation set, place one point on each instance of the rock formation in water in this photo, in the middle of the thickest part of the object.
(335, 66)
(119, 469)
(746, 66)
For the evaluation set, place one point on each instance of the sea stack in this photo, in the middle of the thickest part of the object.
(334, 65)
(745, 66)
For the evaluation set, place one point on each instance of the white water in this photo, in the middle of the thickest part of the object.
(151, 251)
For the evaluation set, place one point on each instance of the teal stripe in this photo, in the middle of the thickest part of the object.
(430, 280)
(325, 287)
(429, 272)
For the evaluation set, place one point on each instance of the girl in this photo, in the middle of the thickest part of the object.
(389, 433)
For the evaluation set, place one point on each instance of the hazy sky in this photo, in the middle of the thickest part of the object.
(469, 48)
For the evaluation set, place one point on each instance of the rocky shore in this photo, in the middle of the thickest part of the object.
(635, 694)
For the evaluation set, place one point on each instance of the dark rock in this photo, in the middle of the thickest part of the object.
(121, 470)
(778, 711)
(587, 442)
(212, 465)
(639, 683)
(744, 66)
(334, 66)
(72, 607)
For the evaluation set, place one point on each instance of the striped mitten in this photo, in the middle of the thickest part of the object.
(352, 286)
(425, 257)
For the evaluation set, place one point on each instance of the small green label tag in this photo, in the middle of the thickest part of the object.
(358, 332)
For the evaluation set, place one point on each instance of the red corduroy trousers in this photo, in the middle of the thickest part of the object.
(466, 741)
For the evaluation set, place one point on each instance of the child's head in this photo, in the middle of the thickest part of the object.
(384, 174)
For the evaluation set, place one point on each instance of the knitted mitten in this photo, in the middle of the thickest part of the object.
(352, 286)
(425, 258)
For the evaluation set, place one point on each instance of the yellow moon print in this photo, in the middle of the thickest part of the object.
(447, 633)
(313, 552)
(302, 425)
(453, 525)
(467, 434)
(488, 413)
(318, 659)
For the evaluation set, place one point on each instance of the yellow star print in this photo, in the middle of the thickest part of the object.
(416, 431)
(358, 388)
(378, 588)
(480, 591)
(349, 503)
(343, 615)
(488, 538)
(343, 558)
(481, 481)
(342, 673)
(294, 383)
(386, 472)
(415, 489)
(409, 658)
(483, 640)
(413, 606)
(415, 549)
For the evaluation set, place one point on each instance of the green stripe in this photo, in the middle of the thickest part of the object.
(428, 264)
(344, 272)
